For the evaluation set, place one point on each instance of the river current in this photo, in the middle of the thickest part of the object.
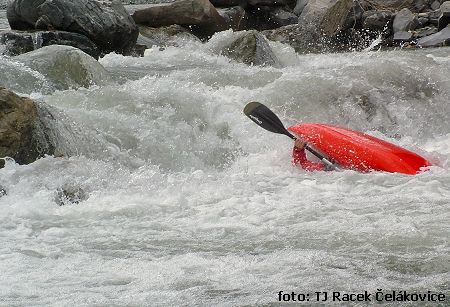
(187, 202)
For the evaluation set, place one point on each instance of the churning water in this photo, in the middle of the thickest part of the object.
(187, 202)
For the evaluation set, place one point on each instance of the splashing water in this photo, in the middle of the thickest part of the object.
(187, 202)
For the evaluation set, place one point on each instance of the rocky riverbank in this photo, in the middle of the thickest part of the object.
(100, 27)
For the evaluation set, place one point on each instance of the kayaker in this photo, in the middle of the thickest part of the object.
(299, 158)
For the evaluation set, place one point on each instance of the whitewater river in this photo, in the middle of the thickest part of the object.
(187, 202)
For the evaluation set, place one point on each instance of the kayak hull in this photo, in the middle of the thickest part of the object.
(359, 151)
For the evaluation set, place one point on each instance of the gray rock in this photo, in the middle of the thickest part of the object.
(105, 22)
(403, 36)
(298, 9)
(227, 3)
(444, 19)
(23, 137)
(270, 3)
(299, 38)
(435, 5)
(423, 21)
(166, 36)
(251, 48)
(200, 15)
(377, 20)
(235, 17)
(439, 39)
(18, 42)
(281, 17)
(65, 66)
(405, 20)
(422, 32)
(325, 16)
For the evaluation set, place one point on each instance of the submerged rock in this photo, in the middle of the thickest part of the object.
(251, 48)
(165, 36)
(200, 15)
(104, 22)
(2, 189)
(18, 42)
(70, 195)
(66, 67)
(23, 136)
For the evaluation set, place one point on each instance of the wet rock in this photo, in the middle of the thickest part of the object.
(18, 42)
(67, 67)
(377, 20)
(70, 195)
(281, 17)
(434, 16)
(298, 9)
(423, 21)
(166, 36)
(354, 19)
(105, 22)
(235, 17)
(444, 19)
(391, 5)
(269, 3)
(2, 189)
(200, 15)
(435, 5)
(251, 48)
(325, 16)
(422, 32)
(439, 39)
(227, 3)
(403, 36)
(23, 137)
(404, 20)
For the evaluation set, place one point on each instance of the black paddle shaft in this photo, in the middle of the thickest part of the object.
(265, 118)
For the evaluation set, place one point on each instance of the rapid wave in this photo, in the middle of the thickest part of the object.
(194, 204)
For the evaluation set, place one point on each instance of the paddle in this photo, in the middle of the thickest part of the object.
(265, 118)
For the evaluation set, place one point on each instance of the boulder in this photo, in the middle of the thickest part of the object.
(298, 9)
(377, 20)
(267, 2)
(442, 38)
(18, 42)
(65, 66)
(235, 17)
(325, 16)
(251, 48)
(404, 20)
(435, 5)
(200, 15)
(444, 19)
(166, 36)
(23, 136)
(392, 5)
(228, 3)
(104, 22)
(402, 36)
(422, 32)
(281, 17)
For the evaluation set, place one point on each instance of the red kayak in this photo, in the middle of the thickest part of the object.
(359, 151)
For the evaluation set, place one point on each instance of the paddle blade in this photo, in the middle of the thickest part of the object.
(265, 118)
